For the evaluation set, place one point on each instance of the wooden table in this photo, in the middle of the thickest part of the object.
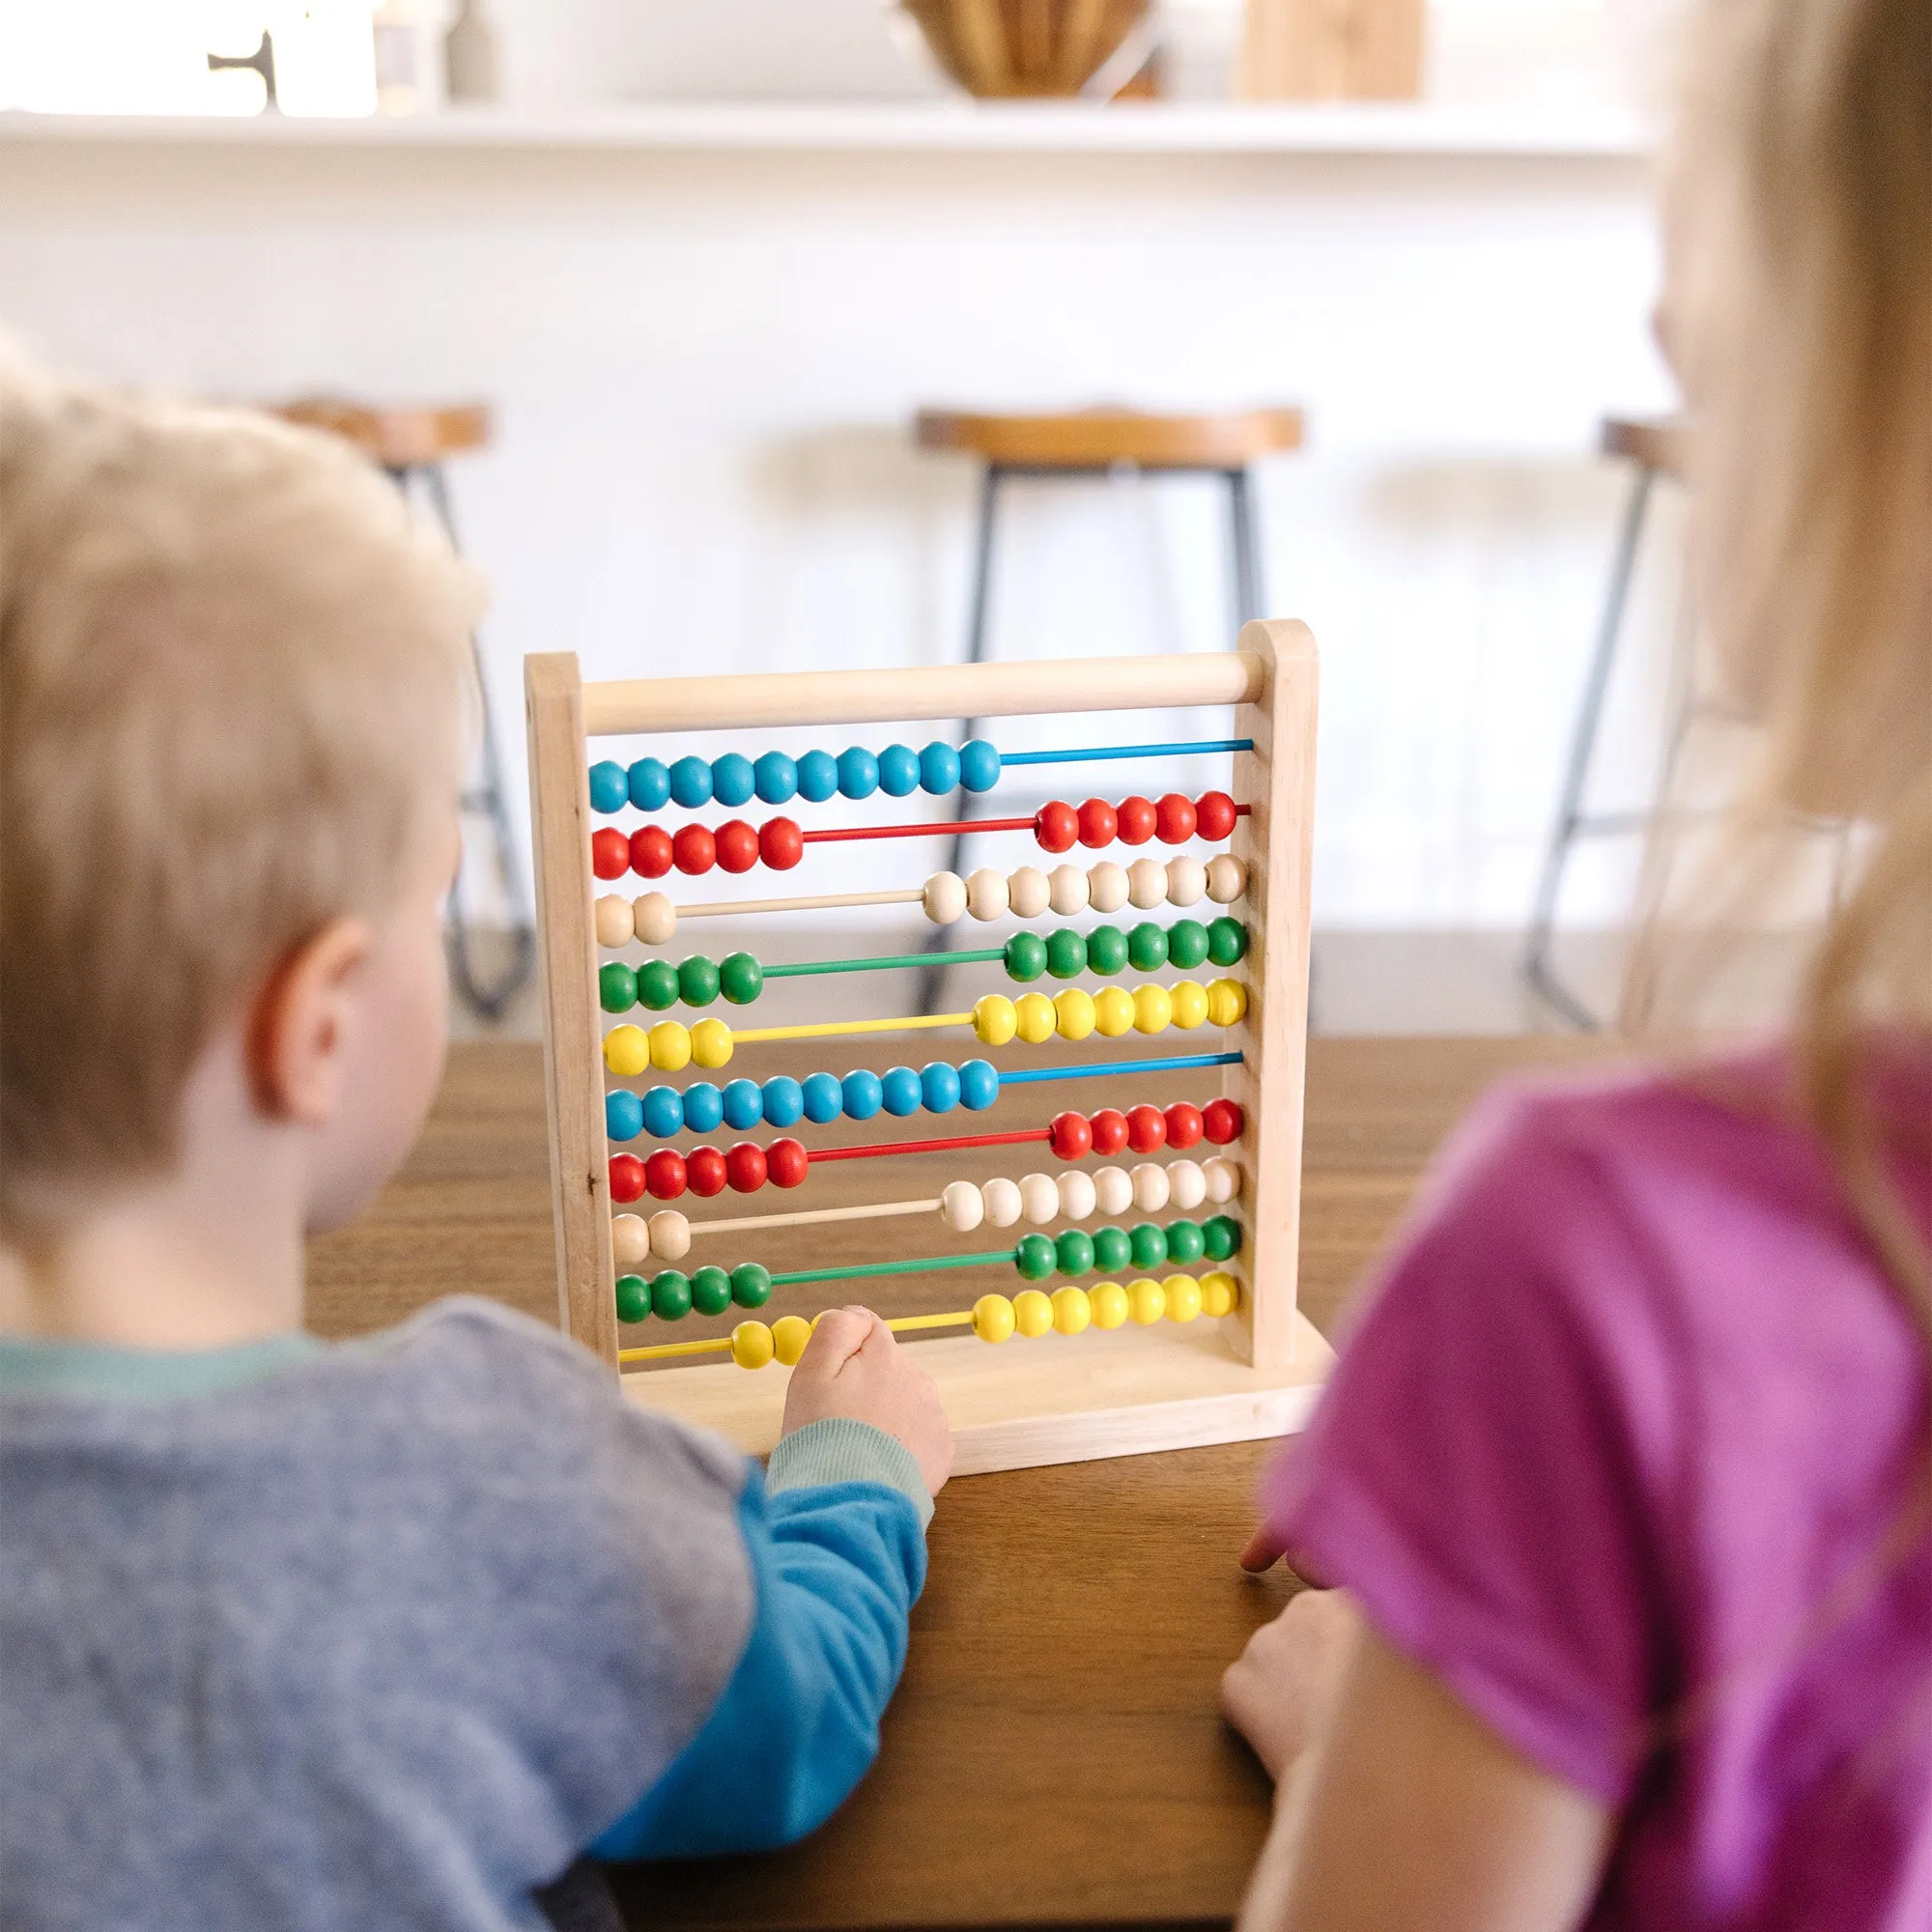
(1053, 1757)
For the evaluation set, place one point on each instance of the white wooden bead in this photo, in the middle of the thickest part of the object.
(986, 894)
(944, 899)
(630, 1239)
(1029, 891)
(1113, 1191)
(1146, 883)
(1002, 1199)
(1066, 891)
(671, 1235)
(1149, 1185)
(1223, 1177)
(1039, 1198)
(1186, 1184)
(960, 1207)
(1106, 886)
(614, 924)
(1076, 1194)
(654, 918)
(1227, 878)
(1187, 881)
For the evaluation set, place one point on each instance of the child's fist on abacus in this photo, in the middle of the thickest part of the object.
(854, 1366)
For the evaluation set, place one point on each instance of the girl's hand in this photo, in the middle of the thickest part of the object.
(1278, 1692)
(854, 1366)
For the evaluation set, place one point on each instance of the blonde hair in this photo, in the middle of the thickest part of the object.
(230, 667)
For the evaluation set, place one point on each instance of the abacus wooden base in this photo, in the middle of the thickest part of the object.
(1052, 1400)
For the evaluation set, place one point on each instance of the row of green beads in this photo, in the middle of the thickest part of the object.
(671, 1295)
(697, 981)
(1111, 1249)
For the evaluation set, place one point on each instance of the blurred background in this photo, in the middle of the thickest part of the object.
(656, 291)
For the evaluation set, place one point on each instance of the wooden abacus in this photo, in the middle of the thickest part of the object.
(1106, 1370)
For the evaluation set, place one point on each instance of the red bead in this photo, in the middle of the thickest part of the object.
(737, 846)
(650, 851)
(1213, 815)
(1174, 819)
(780, 843)
(1146, 1129)
(1056, 825)
(744, 1167)
(1098, 822)
(1222, 1122)
(1184, 1125)
(1109, 1130)
(610, 853)
(705, 1166)
(785, 1162)
(627, 1177)
(663, 1174)
(1138, 819)
(1069, 1135)
(694, 849)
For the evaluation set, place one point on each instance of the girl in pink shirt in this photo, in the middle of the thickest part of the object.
(1625, 1473)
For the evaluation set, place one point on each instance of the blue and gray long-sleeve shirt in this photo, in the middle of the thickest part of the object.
(386, 1632)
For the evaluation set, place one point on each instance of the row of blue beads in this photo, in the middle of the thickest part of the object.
(702, 1108)
(650, 785)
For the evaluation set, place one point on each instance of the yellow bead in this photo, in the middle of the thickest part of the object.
(1073, 1310)
(1220, 1294)
(1033, 1017)
(1147, 1300)
(1151, 1009)
(711, 1043)
(1033, 1312)
(1074, 1013)
(993, 1317)
(994, 1020)
(1184, 1298)
(1227, 1002)
(1108, 1302)
(1112, 1012)
(670, 1046)
(627, 1051)
(789, 1335)
(1188, 999)
(752, 1345)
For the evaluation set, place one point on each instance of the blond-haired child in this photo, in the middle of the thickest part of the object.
(1624, 1467)
(388, 1632)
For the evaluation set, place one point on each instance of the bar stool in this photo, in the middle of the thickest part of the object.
(412, 446)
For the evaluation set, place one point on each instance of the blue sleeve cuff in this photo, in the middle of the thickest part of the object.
(842, 1450)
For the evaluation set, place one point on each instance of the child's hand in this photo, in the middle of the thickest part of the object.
(853, 1366)
(1277, 1693)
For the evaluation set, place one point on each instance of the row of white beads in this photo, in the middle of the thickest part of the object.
(1076, 1194)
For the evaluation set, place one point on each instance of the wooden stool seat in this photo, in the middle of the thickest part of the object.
(1660, 443)
(1097, 438)
(397, 438)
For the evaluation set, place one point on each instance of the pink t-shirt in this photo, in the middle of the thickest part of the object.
(1613, 1448)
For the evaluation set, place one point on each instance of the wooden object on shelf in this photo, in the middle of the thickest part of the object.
(1040, 48)
(1332, 50)
(397, 438)
(1095, 438)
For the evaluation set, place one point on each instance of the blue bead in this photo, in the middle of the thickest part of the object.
(704, 1107)
(862, 1094)
(609, 787)
(858, 773)
(939, 1086)
(663, 1113)
(939, 769)
(690, 782)
(744, 1104)
(733, 779)
(899, 771)
(979, 1085)
(785, 1101)
(824, 1097)
(650, 785)
(623, 1113)
(899, 1090)
(979, 765)
(818, 776)
(777, 778)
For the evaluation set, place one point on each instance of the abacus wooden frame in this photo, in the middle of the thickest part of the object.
(1055, 1398)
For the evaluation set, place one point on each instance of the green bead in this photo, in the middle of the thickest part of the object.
(697, 981)
(740, 979)
(751, 1285)
(1112, 1250)
(1187, 943)
(670, 1295)
(710, 1291)
(1148, 1245)
(657, 984)
(1222, 1234)
(1026, 956)
(1066, 954)
(1185, 1243)
(1034, 1257)
(1074, 1251)
(616, 987)
(1147, 947)
(1227, 941)
(634, 1298)
(1106, 949)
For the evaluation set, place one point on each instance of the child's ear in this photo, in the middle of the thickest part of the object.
(302, 1022)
